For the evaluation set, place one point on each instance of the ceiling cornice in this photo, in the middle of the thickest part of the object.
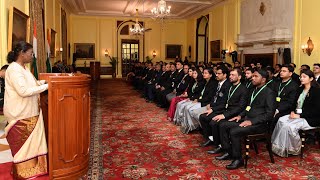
(125, 8)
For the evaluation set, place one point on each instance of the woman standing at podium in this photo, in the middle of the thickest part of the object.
(25, 131)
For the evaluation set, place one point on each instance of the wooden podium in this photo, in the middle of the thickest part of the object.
(95, 70)
(66, 112)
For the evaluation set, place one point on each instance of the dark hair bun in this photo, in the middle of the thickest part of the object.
(11, 57)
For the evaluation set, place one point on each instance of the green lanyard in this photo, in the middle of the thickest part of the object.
(248, 85)
(280, 91)
(203, 90)
(230, 95)
(253, 97)
(194, 86)
(269, 82)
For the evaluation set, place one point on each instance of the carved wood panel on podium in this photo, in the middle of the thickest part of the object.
(68, 125)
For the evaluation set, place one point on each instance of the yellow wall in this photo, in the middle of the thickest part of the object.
(5, 5)
(191, 37)
(52, 14)
(307, 25)
(102, 31)
(223, 25)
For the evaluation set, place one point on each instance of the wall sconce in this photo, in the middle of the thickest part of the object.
(154, 53)
(308, 48)
(59, 51)
(106, 53)
(229, 51)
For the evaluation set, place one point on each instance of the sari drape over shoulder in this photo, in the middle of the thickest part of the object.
(25, 131)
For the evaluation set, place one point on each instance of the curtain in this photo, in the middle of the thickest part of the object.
(64, 36)
(36, 16)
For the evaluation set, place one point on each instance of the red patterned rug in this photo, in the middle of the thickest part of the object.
(132, 139)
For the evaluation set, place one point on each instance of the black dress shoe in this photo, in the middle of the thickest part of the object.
(205, 144)
(235, 164)
(225, 156)
(215, 151)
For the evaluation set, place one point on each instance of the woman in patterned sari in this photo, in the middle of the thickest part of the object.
(25, 131)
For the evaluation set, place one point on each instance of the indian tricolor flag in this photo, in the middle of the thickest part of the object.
(48, 64)
(34, 63)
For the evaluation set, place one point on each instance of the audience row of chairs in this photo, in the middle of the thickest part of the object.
(205, 97)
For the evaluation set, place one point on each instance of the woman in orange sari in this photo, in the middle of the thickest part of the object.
(25, 131)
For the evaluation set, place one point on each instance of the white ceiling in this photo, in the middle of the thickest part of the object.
(126, 8)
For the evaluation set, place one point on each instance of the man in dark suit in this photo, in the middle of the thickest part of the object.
(295, 77)
(285, 91)
(147, 79)
(248, 78)
(236, 102)
(218, 101)
(174, 81)
(150, 85)
(166, 87)
(316, 71)
(181, 86)
(260, 108)
(217, 104)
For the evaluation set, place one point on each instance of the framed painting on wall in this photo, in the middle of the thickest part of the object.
(18, 27)
(173, 51)
(52, 35)
(84, 50)
(215, 49)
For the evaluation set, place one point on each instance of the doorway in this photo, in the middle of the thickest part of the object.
(202, 39)
(129, 54)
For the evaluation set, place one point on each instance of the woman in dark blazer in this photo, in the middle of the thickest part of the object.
(193, 92)
(187, 121)
(304, 115)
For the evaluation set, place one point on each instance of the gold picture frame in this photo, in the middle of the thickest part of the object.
(52, 34)
(173, 50)
(84, 50)
(18, 27)
(215, 50)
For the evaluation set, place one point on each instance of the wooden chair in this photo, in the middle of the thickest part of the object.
(251, 139)
(303, 138)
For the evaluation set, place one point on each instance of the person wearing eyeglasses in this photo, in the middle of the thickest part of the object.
(304, 115)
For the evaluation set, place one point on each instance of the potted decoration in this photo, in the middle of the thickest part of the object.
(113, 62)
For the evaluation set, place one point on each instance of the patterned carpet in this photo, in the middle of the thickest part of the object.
(133, 140)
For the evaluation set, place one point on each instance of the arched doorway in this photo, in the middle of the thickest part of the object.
(130, 48)
(202, 39)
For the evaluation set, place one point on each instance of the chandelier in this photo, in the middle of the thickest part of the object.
(137, 28)
(161, 11)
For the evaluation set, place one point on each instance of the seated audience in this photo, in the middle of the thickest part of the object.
(316, 72)
(270, 81)
(285, 91)
(304, 115)
(194, 93)
(150, 85)
(188, 123)
(218, 102)
(171, 84)
(277, 70)
(252, 120)
(236, 102)
(295, 77)
(248, 78)
(181, 97)
(182, 86)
